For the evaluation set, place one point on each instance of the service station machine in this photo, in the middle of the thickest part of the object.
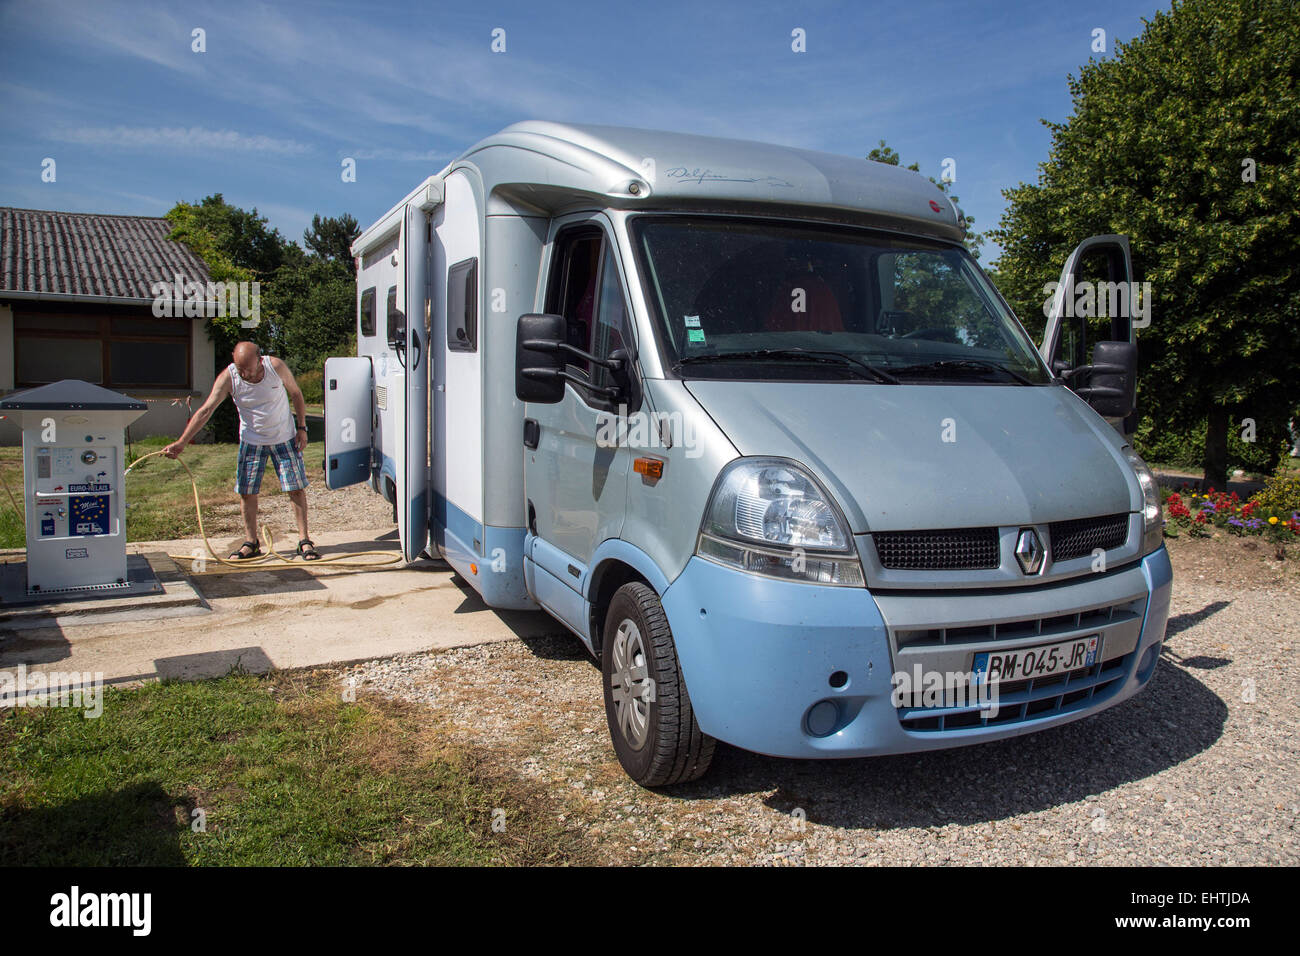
(73, 451)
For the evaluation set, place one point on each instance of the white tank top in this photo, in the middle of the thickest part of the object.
(264, 415)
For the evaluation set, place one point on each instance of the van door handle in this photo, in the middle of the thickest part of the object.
(532, 432)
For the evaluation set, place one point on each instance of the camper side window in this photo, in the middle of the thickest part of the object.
(396, 320)
(367, 312)
(462, 306)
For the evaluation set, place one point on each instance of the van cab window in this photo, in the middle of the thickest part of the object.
(760, 299)
(571, 291)
(921, 295)
(585, 288)
(611, 318)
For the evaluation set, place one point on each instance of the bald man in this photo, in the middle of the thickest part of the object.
(262, 388)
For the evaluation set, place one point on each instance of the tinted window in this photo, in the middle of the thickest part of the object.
(611, 313)
(148, 363)
(747, 288)
(367, 312)
(396, 320)
(462, 306)
(572, 291)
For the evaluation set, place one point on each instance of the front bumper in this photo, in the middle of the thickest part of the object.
(762, 658)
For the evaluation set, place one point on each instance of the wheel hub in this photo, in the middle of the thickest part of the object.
(631, 685)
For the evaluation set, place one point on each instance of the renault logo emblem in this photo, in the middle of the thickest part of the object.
(1029, 551)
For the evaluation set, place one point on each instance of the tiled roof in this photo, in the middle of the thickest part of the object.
(78, 253)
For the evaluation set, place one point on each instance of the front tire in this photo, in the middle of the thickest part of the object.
(651, 721)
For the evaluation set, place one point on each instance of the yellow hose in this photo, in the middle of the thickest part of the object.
(253, 564)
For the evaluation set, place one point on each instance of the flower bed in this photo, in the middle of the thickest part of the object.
(1188, 510)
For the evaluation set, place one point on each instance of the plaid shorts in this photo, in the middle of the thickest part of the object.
(252, 462)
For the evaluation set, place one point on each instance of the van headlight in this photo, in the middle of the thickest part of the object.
(770, 516)
(1152, 520)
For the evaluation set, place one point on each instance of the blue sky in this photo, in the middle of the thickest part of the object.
(136, 120)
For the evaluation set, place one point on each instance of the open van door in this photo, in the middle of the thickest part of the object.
(348, 411)
(408, 339)
(1088, 340)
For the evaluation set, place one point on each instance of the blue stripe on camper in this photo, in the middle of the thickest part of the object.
(498, 553)
(467, 531)
(347, 468)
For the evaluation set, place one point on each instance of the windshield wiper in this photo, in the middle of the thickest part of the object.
(972, 364)
(823, 356)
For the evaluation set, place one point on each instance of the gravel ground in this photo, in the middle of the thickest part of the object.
(1202, 767)
(356, 507)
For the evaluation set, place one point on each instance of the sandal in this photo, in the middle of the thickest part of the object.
(241, 556)
(308, 550)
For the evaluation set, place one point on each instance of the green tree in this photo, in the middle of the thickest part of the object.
(886, 154)
(237, 246)
(313, 295)
(313, 305)
(308, 298)
(331, 239)
(240, 236)
(1187, 140)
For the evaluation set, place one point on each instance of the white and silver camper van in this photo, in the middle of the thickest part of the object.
(752, 424)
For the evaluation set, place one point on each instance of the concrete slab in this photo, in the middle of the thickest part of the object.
(291, 616)
(163, 591)
(140, 580)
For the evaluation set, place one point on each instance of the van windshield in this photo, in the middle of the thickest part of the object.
(745, 298)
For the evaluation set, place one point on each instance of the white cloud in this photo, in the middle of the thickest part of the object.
(154, 35)
(179, 138)
(401, 155)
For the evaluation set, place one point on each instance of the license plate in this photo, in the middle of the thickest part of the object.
(993, 667)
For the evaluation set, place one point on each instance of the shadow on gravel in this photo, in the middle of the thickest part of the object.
(1174, 718)
(559, 646)
(1181, 622)
(540, 633)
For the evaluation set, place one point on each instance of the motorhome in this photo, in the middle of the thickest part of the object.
(751, 422)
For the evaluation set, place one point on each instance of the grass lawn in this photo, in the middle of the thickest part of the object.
(284, 771)
(160, 505)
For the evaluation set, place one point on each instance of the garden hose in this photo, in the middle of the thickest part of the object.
(259, 562)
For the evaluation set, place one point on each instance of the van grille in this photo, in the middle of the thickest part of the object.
(381, 397)
(1061, 627)
(962, 549)
(1074, 539)
(1023, 700)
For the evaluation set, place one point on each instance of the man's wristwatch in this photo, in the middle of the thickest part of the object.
(302, 428)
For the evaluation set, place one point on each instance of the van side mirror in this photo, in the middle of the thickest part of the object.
(1109, 384)
(541, 364)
